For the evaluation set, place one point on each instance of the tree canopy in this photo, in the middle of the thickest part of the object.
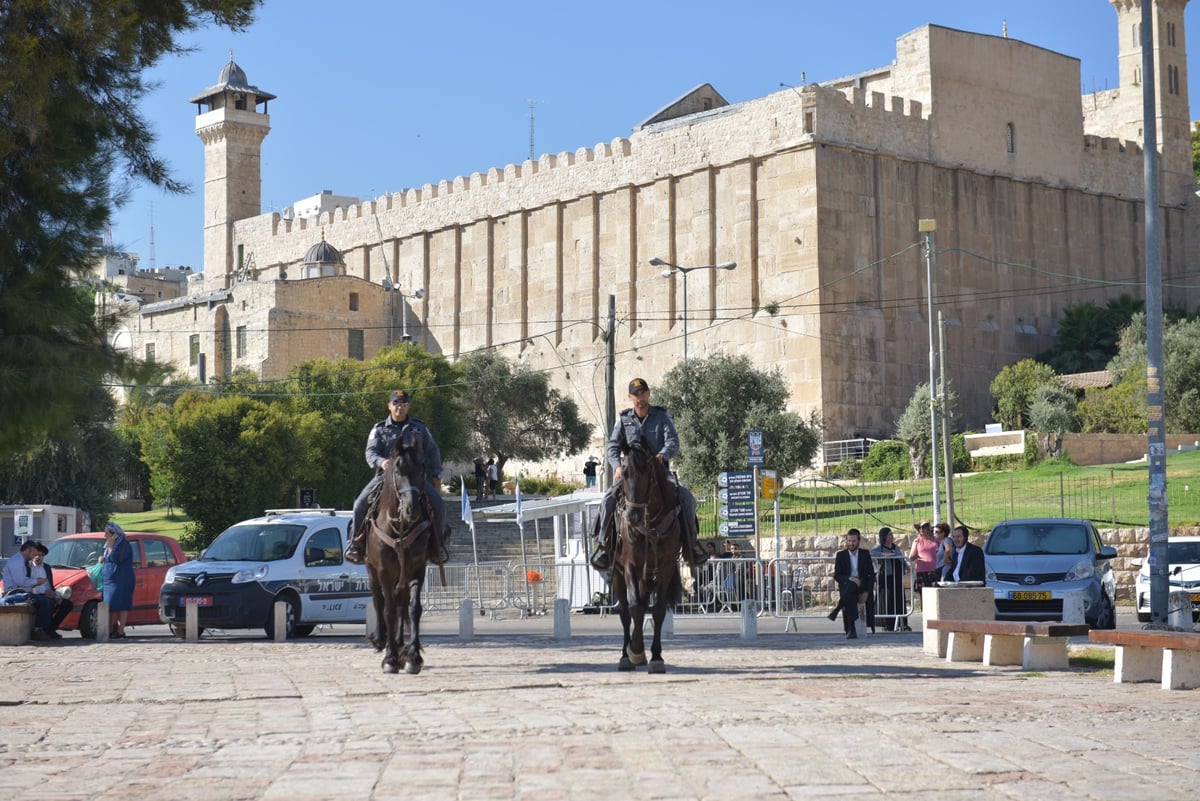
(71, 138)
(516, 414)
(716, 401)
(1181, 368)
(1014, 388)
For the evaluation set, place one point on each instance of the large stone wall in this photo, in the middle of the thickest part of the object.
(1089, 449)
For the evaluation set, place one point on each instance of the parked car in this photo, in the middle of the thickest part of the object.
(1183, 560)
(1033, 563)
(289, 555)
(70, 556)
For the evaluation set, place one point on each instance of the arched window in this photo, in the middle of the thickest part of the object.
(1010, 138)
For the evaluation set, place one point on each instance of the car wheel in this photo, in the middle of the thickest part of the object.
(1143, 617)
(1106, 617)
(291, 615)
(87, 621)
(303, 631)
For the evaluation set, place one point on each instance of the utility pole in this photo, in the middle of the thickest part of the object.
(946, 449)
(610, 388)
(1157, 496)
(927, 227)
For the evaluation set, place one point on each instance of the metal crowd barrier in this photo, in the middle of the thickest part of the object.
(806, 589)
(490, 587)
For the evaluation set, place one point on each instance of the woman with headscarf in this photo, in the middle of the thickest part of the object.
(118, 577)
(891, 564)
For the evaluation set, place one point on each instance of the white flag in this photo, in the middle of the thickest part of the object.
(520, 514)
(467, 516)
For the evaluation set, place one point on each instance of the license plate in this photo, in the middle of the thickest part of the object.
(196, 600)
(1196, 597)
(1029, 595)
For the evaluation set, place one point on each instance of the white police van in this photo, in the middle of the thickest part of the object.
(290, 555)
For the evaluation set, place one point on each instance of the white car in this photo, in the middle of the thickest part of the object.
(1183, 559)
(290, 555)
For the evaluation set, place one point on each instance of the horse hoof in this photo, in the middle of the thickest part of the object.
(638, 659)
(657, 666)
(625, 664)
(390, 667)
(412, 668)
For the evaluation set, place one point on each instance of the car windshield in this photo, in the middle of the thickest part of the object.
(261, 542)
(1045, 538)
(76, 553)
(1178, 553)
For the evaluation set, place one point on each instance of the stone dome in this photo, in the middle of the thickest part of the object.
(323, 253)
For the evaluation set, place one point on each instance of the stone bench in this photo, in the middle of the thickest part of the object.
(1169, 657)
(1033, 646)
(16, 624)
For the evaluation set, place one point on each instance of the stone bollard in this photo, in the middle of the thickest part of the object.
(749, 619)
(103, 622)
(372, 622)
(953, 603)
(1072, 610)
(668, 628)
(280, 620)
(562, 619)
(466, 620)
(1179, 609)
(191, 623)
(860, 623)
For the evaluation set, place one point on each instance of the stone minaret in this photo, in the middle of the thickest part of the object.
(232, 129)
(1171, 87)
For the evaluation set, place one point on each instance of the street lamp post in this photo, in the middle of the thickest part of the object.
(675, 268)
(392, 291)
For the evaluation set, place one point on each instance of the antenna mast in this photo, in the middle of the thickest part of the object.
(532, 103)
(153, 258)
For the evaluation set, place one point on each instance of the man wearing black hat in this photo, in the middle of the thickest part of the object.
(655, 425)
(380, 443)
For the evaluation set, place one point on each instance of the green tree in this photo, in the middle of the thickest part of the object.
(518, 414)
(1052, 415)
(1119, 409)
(716, 401)
(1014, 387)
(1181, 368)
(1088, 335)
(228, 458)
(913, 427)
(71, 94)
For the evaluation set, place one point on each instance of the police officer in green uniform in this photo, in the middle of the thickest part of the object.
(380, 443)
(653, 423)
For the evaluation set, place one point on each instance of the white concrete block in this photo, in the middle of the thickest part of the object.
(1179, 609)
(1003, 649)
(964, 647)
(1135, 663)
(749, 620)
(1180, 670)
(103, 622)
(279, 610)
(1045, 653)
(953, 603)
(1073, 607)
(372, 622)
(191, 623)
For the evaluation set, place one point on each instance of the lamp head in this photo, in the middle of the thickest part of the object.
(656, 262)
(418, 294)
(727, 265)
(667, 273)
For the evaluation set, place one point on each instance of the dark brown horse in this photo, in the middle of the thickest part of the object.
(645, 572)
(397, 550)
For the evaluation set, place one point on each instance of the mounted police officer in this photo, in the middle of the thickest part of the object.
(380, 443)
(654, 423)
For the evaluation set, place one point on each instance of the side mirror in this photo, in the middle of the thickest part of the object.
(1107, 552)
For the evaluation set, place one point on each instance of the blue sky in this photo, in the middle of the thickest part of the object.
(375, 96)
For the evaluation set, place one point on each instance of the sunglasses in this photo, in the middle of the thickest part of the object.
(399, 403)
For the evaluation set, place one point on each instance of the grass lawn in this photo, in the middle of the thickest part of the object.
(1110, 495)
(156, 521)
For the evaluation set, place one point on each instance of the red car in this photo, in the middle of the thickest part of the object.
(69, 557)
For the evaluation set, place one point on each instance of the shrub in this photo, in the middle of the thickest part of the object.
(847, 468)
(887, 461)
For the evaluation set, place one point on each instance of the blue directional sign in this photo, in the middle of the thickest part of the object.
(736, 478)
(739, 494)
(737, 511)
(737, 528)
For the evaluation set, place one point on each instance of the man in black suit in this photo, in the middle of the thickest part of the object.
(966, 563)
(855, 575)
(62, 606)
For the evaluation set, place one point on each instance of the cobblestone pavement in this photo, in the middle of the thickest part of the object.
(515, 714)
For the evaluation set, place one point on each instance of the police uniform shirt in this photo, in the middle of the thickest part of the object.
(658, 429)
(386, 432)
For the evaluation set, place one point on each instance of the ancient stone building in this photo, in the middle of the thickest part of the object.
(815, 192)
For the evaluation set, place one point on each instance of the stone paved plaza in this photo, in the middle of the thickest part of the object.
(515, 714)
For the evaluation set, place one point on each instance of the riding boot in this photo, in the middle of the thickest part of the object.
(698, 554)
(602, 557)
(354, 551)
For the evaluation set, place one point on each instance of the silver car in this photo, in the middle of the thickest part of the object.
(1033, 563)
(1183, 560)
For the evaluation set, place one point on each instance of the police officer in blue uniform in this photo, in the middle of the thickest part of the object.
(380, 442)
(654, 423)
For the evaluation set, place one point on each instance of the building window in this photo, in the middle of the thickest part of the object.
(1010, 138)
(356, 343)
(1137, 34)
(241, 341)
(353, 301)
(150, 353)
(193, 349)
(1171, 34)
